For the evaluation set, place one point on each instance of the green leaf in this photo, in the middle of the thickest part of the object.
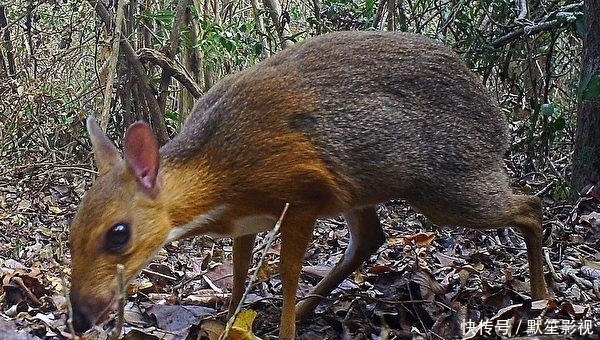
(560, 124)
(548, 109)
(257, 49)
(166, 17)
(369, 7)
(229, 44)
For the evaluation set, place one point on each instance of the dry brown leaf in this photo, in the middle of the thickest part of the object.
(377, 270)
(396, 240)
(212, 329)
(266, 271)
(420, 239)
(318, 271)
(221, 277)
(428, 285)
(592, 218)
(591, 264)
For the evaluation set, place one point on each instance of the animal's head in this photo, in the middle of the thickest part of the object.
(120, 220)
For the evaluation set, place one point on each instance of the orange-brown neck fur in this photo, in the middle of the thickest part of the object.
(255, 164)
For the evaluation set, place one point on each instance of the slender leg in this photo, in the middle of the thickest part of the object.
(296, 233)
(528, 219)
(242, 256)
(366, 236)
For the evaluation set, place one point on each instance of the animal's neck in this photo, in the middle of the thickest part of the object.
(192, 195)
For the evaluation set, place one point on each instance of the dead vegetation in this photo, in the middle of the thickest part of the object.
(424, 282)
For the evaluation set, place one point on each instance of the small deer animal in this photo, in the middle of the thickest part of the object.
(333, 125)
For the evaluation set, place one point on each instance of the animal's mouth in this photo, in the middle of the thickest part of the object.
(87, 315)
(110, 307)
(104, 315)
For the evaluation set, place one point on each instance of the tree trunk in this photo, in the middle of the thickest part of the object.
(9, 66)
(155, 115)
(586, 156)
(281, 24)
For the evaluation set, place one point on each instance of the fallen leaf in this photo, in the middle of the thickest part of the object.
(212, 329)
(420, 239)
(242, 327)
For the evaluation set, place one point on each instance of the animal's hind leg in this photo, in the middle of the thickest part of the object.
(487, 203)
(526, 215)
(366, 236)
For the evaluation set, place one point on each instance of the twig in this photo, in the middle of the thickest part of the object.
(69, 308)
(527, 30)
(121, 296)
(260, 28)
(254, 276)
(172, 67)
(555, 276)
(522, 11)
(153, 273)
(112, 66)
(534, 28)
(171, 51)
(545, 189)
(281, 24)
(67, 296)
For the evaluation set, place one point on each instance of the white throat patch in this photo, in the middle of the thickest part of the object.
(253, 224)
(197, 223)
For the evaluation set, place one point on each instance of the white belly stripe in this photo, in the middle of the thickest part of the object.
(253, 224)
(197, 223)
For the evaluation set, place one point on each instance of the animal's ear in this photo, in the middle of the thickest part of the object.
(140, 150)
(105, 152)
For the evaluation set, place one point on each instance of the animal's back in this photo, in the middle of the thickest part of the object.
(393, 114)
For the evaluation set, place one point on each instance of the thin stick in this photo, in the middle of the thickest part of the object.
(254, 276)
(69, 308)
(121, 314)
(150, 272)
(112, 67)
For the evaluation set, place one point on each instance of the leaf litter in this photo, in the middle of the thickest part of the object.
(425, 282)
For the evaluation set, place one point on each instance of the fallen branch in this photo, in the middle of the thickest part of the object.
(174, 68)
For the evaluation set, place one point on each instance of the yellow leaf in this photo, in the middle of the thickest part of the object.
(245, 319)
(242, 327)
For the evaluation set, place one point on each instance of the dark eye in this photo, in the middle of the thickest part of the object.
(118, 237)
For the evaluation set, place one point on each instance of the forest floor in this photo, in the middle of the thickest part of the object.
(424, 283)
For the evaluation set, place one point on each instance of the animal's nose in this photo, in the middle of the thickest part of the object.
(81, 322)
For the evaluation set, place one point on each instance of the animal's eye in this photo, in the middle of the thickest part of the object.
(118, 237)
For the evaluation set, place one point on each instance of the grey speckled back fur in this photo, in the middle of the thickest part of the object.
(397, 115)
